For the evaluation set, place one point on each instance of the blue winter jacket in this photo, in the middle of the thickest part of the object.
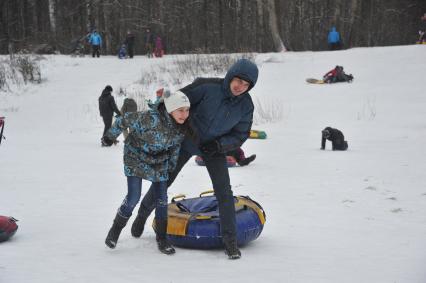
(217, 114)
(95, 39)
(333, 36)
(152, 147)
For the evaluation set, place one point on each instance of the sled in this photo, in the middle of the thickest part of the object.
(230, 160)
(195, 222)
(314, 81)
(8, 227)
(255, 134)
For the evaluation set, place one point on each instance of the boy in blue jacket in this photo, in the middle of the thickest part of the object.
(95, 40)
(334, 41)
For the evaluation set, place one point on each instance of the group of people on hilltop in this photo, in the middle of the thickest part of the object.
(335, 42)
(162, 139)
(153, 44)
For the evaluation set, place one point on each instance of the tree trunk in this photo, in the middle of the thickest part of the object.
(273, 26)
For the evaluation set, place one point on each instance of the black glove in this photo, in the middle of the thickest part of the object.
(210, 148)
(106, 141)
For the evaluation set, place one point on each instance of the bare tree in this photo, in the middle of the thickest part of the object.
(211, 26)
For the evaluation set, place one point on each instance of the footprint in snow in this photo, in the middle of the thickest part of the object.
(371, 188)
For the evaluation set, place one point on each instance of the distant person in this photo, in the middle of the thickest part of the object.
(122, 53)
(334, 41)
(77, 46)
(422, 37)
(95, 41)
(240, 156)
(129, 106)
(158, 51)
(336, 137)
(130, 43)
(148, 42)
(150, 153)
(337, 75)
(107, 107)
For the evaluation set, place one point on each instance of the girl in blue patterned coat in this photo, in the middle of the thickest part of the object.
(151, 151)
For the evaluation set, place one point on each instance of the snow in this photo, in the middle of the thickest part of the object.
(354, 216)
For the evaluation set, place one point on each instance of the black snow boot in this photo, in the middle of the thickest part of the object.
(163, 244)
(246, 161)
(114, 232)
(139, 223)
(231, 249)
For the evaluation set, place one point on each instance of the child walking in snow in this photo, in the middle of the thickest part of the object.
(150, 152)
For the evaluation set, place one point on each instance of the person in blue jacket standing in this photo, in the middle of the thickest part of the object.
(95, 41)
(150, 153)
(220, 120)
(334, 42)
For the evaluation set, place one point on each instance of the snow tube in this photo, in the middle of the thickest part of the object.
(194, 222)
(255, 134)
(8, 227)
(229, 159)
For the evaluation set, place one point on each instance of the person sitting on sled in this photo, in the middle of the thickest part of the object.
(122, 53)
(337, 75)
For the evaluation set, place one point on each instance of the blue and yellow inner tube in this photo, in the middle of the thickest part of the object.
(194, 222)
(256, 134)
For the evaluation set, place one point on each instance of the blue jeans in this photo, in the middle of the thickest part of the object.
(134, 190)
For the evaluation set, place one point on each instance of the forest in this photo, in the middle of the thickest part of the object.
(208, 26)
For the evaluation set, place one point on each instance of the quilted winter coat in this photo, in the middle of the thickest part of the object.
(216, 113)
(152, 147)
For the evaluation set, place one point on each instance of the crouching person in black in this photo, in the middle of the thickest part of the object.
(336, 137)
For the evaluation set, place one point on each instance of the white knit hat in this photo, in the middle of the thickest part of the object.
(175, 100)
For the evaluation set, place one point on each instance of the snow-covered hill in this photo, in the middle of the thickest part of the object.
(354, 216)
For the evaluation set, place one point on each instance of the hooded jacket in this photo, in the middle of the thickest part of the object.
(95, 39)
(216, 114)
(152, 147)
(333, 36)
(107, 105)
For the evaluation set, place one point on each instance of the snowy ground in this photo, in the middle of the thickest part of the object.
(355, 216)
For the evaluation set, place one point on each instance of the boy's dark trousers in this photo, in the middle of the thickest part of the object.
(218, 171)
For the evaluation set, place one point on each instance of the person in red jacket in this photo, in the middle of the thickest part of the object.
(158, 51)
(337, 75)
